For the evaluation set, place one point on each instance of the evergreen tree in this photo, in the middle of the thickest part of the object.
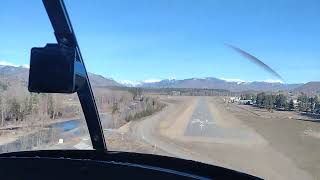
(303, 102)
(280, 101)
(291, 105)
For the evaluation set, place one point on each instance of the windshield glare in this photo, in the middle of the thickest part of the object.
(232, 84)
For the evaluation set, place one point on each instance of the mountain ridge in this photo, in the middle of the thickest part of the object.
(20, 74)
(216, 83)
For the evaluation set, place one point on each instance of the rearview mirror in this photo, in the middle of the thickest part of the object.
(55, 69)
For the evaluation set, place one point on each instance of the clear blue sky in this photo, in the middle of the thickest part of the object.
(158, 39)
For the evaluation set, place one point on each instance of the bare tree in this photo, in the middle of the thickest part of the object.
(2, 108)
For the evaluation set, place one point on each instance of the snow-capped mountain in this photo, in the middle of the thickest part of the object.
(215, 83)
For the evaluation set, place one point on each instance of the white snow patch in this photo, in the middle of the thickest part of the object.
(26, 66)
(151, 80)
(130, 83)
(238, 81)
(6, 63)
(273, 81)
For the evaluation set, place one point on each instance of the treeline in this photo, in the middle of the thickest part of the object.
(140, 105)
(125, 104)
(30, 108)
(282, 102)
(146, 107)
(18, 106)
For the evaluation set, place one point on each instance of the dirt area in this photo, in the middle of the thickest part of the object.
(127, 143)
(269, 148)
(296, 139)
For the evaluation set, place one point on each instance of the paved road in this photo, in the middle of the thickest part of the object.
(202, 122)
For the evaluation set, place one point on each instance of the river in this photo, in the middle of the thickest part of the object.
(47, 135)
(50, 134)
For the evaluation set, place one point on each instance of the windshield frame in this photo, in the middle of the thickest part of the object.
(66, 37)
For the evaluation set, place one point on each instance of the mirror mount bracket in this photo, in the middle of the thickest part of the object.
(66, 39)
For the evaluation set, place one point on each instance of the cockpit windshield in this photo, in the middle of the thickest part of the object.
(228, 83)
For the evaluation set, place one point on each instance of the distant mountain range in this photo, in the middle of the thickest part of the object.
(20, 74)
(98, 80)
(215, 83)
(312, 87)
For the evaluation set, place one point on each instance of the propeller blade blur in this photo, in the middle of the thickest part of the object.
(256, 61)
